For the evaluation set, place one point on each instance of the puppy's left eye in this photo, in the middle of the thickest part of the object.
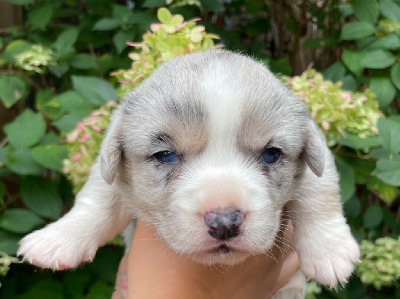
(271, 155)
(166, 157)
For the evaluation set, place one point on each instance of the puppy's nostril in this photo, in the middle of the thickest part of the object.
(223, 225)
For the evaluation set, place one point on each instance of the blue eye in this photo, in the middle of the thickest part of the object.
(271, 155)
(166, 157)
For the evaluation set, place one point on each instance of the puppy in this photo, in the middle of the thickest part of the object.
(210, 149)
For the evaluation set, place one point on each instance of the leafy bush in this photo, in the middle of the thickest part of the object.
(54, 71)
(380, 262)
(84, 143)
(335, 110)
(57, 68)
(372, 39)
(173, 37)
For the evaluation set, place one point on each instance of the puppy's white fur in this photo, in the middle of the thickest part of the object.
(218, 111)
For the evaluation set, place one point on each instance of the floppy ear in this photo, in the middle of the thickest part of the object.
(110, 152)
(315, 148)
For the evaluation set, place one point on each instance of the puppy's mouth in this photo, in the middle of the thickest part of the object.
(222, 249)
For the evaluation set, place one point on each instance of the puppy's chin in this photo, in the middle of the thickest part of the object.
(220, 256)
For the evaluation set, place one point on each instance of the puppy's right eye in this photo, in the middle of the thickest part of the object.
(166, 157)
(271, 155)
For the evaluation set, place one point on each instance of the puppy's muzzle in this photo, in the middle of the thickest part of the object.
(223, 225)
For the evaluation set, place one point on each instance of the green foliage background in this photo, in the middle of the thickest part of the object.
(57, 69)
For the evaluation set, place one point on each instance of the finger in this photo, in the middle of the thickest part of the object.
(289, 267)
(121, 282)
(123, 265)
(116, 295)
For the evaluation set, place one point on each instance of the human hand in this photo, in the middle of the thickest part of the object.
(153, 270)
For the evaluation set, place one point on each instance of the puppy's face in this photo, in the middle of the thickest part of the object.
(209, 149)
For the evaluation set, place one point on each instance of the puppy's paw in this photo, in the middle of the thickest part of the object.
(328, 251)
(57, 247)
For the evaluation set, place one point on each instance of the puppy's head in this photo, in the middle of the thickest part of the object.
(209, 149)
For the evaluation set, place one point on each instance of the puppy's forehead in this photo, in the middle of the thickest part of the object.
(214, 95)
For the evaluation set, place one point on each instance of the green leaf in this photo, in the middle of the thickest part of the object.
(95, 90)
(50, 156)
(76, 282)
(352, 59)
(335, 72)
(280, 67)
(59, 70)
(100, 290)
(386, 192)
(389, 134)
(162, 46)
(377, 59)
(84, 61)
(122, 13)
(390, 10)
(41, 196)
(395, 75)
(366, 10)
(389, 219)
(144, 18)
(363, 43)
(384, 90)
(3, 154)
(357, 30)
(43, 96)
(46, 102)
(352, 207)
(346, 179)
(164, 15)
(154, 3)
(379, 153)
(349, 83)
(177, 20)
(12, 89)
(21, 162)
(9, 242)
(67, 122)
(107, 24)
(211, 5)
(2, 190)
(50, 138)
(73, 103)
(19, 220)
(44, 289)
(373, 216)
(106, 62)
(346, 10)
(362, 169)
(389, 42)
(121, 38)
(66, 40)
(388, 171)
(356, 142)
(26, 130)
(106, 258)
(14, 48)
(21, 2)
(40, 16)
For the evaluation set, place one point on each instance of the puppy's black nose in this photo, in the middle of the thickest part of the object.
(223, 224)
